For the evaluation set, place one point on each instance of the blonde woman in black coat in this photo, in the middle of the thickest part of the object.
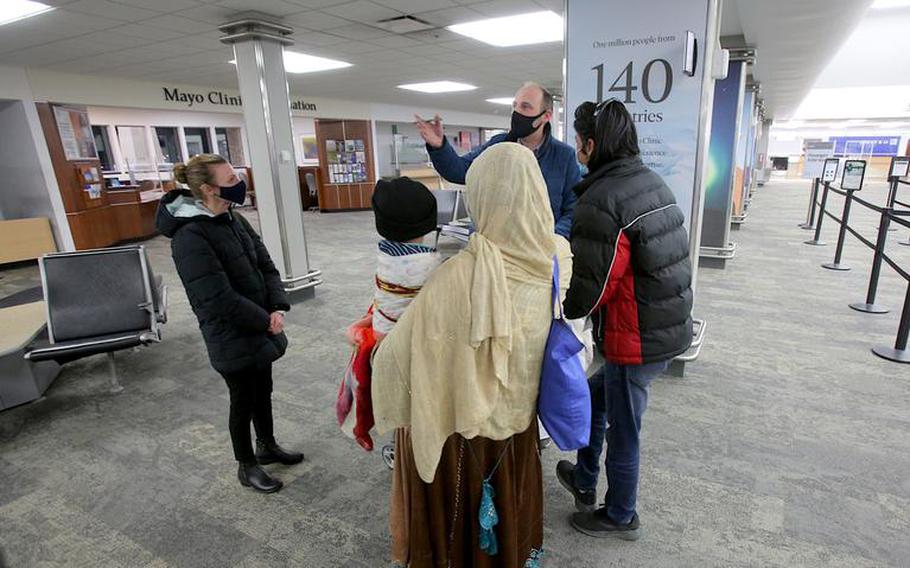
(236, 294)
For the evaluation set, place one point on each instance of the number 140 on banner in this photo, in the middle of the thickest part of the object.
(625, 83)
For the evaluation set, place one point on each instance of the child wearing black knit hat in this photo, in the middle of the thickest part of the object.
(405, 212)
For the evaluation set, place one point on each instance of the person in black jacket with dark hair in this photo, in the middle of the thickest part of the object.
(632, 275)
(236, 293)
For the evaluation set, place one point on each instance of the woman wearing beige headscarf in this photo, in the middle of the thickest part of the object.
(461, 369)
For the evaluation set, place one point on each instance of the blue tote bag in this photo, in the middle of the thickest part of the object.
(564, 405)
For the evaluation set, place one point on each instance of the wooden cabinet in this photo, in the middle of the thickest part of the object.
(346, 195)
(97, 217)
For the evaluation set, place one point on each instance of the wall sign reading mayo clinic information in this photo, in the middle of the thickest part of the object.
(642, 54)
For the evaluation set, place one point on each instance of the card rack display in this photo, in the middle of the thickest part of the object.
(347, 161)
(346, 164)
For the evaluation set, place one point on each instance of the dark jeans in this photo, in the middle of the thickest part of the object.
(251, 399)
(619, 397)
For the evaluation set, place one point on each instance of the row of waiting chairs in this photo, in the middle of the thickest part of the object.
(99, 302)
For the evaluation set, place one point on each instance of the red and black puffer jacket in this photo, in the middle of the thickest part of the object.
(631, 270)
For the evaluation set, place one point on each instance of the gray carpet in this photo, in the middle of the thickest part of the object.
(787, 443)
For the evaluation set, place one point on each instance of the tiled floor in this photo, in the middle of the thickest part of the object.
(787, 443)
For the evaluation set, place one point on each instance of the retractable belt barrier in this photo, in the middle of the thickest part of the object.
(888, 216)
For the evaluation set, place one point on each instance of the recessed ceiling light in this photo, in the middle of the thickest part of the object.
(15, 10)
(302, 63)
(886, 4)
(502, 101)
(523, 29)
(438, 87)
(295, 62)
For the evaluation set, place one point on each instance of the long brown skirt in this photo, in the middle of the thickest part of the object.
(436, 525)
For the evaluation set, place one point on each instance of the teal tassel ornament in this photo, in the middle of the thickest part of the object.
(534, 561)
(489, 518)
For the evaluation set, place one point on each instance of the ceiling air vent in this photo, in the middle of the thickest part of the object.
(404, 25)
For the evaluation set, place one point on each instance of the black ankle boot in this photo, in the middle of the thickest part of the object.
(251, 475)
(273, 453)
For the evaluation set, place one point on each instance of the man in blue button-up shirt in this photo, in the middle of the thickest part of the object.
(532, 110)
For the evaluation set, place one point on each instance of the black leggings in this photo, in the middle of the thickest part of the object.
(251, 399)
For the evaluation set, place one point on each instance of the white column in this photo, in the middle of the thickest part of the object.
(184, 150)
(259, 53)
(213, 140)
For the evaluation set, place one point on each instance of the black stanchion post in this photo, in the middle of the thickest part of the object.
(836, 265)
(810, 215)
(899, 354)
(821, 217)
(869, 306)
(892, 195)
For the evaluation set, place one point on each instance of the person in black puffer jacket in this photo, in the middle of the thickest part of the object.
(236, 293)
(632, 275)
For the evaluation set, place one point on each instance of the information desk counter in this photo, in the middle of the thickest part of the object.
(133, 211)
(427, 176)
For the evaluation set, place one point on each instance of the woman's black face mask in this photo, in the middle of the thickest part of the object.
(235, 193)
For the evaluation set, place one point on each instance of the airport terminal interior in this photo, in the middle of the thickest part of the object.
(134, 298)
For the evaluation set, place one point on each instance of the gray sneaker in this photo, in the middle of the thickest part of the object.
(599, 525)
(585, 501)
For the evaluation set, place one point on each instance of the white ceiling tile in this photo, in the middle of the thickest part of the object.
(165, 6)
(358, 32)
(56, 3)
(63, 21)
(178, 24)
(362, 11)
(50, 53)
(435, 35)
(110, 10)
(192, 42)
(315, 20)
(410, 6)
(352, 47)
(145, 31)
(450, 16)
(317, 39)
(213, 14)
(319, 3)
(426, 49)
(215, 59)
(86, 65)
(397, 41)
(271, 7)
(497, 8)
(384, 55)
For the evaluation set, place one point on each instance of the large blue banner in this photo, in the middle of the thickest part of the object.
(866, 145)
(721, 163)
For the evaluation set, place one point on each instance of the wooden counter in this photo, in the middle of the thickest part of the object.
(427, 176)
(133, 213)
